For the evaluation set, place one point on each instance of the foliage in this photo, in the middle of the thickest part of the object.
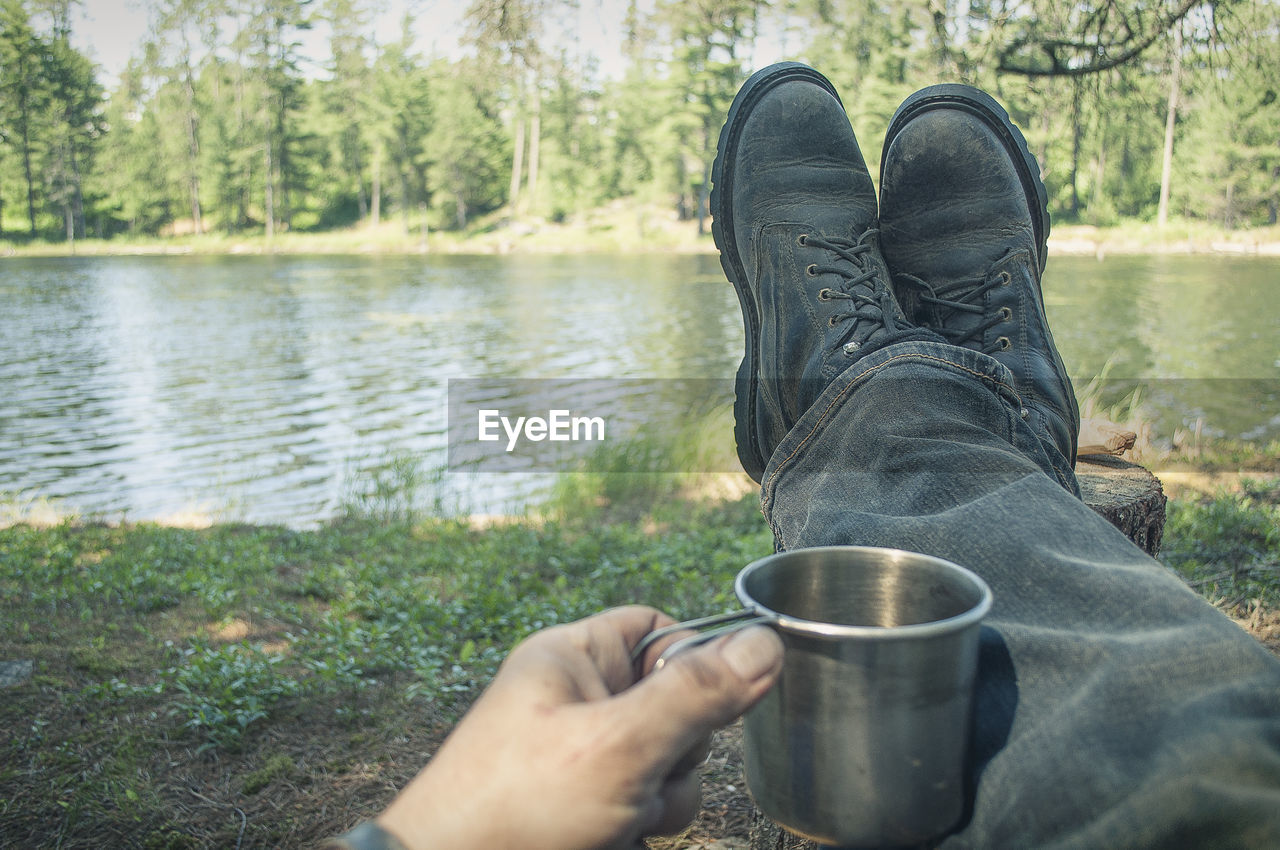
(222, 690)
(236, 624)
(50, 119)
(1228, 545)
(1231, 160)
(219, 125)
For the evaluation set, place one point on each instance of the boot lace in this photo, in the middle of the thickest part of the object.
(871, 304)
(964, 297)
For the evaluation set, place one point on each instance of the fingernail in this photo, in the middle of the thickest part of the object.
(752, 652)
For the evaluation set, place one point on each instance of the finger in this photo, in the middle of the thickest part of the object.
(591, 657)
(654, 651)
(700, 691)
(613, 635)
(680, 800)
(631, 622)
(694, 757)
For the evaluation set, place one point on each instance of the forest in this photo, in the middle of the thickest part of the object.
(222, 122)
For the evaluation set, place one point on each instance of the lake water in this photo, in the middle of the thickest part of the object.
(271, 389)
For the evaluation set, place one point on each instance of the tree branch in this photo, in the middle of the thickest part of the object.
(1106, 55)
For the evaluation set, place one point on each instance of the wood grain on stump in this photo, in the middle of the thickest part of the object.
(1125, 494)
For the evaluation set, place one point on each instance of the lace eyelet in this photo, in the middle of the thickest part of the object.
(824, 294)
(802, 240)
(1006, 313)
(1004, 343)
(832, 322)
(811, 270)
(1005, 278)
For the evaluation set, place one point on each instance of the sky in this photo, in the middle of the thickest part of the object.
(110, 31)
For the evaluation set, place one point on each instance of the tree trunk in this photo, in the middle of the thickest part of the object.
(375, 192)
(269, 197)
(1171, 117)
(704, 191)
(535, 145)
(243, 197)
(1043, 158)
(1100, 172)
(1076, 133)
(26, 169)
(404, 201)
(362, 202)
(193, 146)
(517, 165)
(283, 165)
(77, 194)
(193, 187)
(459, 200)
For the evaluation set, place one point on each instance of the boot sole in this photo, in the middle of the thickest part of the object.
(984, 106)
(746, 384)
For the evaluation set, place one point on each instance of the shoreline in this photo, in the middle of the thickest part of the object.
(622, 230)
(1079, 240)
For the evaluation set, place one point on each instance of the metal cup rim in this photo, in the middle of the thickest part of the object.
(909, 631)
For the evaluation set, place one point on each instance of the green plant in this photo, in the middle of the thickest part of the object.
(279, 766)
(394, 489)
(31, 509)
(633, 476)
(226, 689)
(1227, 546)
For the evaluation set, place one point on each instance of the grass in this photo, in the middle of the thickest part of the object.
(1179, 236)
(259, 686)
(1226, 545)
(202, 688)
(1183, 451)
(621, 226)
(680, 460)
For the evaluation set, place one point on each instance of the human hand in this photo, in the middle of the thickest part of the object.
(567, 750)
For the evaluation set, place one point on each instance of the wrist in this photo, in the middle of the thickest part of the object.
(366, 836)
(416, 823)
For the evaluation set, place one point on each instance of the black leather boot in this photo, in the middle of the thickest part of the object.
(794, 218)
(964, 221)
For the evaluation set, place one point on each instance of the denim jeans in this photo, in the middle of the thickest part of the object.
(1115, 708)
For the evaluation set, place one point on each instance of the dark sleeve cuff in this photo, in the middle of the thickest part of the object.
(366, 836)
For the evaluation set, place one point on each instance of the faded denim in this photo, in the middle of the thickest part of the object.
(1115, 707)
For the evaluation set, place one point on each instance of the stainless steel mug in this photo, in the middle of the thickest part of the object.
(863, 740)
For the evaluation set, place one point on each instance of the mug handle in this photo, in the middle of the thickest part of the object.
(715, 626)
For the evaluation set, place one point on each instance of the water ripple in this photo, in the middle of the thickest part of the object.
(270, 389)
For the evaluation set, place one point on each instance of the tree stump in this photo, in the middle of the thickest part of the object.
(1125, 494)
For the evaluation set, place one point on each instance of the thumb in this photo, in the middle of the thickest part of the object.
(705, 688)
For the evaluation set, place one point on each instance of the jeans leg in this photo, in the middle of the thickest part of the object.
(1115, 707)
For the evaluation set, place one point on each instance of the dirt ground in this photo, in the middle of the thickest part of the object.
(290, 786)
